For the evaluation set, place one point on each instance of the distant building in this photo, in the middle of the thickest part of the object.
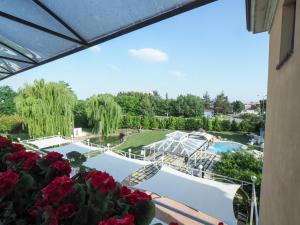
(251, 108)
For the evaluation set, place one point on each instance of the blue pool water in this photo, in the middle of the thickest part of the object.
(225, 146)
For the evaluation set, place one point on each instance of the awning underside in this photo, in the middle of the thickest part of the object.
(34, 32)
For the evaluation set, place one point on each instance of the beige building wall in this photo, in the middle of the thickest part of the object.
(280, 196)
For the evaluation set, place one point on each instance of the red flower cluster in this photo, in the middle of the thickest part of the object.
(58, 189)
(18, 147)
(65, 211)
(8, 181)
(101, 181)
(53, 156)
(134, 197)
(28, 159)
(4, 142)
(62, 167)
(127, 220)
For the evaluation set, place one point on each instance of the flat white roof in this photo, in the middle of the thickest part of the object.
(77, 146)
(48, 142)
(116, 165)
(208, 196)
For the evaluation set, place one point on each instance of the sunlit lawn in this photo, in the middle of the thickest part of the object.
(136, 141)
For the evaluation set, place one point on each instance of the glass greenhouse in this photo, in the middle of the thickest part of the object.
(180, 143)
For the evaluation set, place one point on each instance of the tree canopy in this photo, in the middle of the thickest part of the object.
(47, 108)
(238, 106)
(187, 106)
(103, 114)
(7, 104)
(222, 105)
(207, 101)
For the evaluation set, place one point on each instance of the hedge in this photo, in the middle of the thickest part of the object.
(11, 123)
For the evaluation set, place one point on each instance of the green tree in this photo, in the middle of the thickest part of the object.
(238, 106)
(187, 106)
(240, 165)
(207, 101)
(80, 117)
(103, 114)
(7, 104)
(47, 108)
(222, 105)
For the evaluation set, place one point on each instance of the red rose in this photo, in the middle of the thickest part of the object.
(27, 159)
(101, 181)
(220, 223)
(173, 223)
(65, 211)
(32, 212)
(125, 191)
(58, 189)
(18, 147)
(8, 181)
(62, 167)
(134, 197)
(127, 220)
(53, 156)
(4, 142)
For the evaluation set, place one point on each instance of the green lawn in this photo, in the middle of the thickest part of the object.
(232, 136)
(136, 141)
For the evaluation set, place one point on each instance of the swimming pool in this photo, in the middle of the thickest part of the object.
(225, 146)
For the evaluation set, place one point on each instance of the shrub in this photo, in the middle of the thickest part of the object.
(39, 190)
(153, 123)
(10, 124)
(226, 125)
(171, 123)
(180, 123)
(145, 122)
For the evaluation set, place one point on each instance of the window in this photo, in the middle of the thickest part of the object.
(287, 31)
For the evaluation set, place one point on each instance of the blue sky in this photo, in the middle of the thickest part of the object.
(206, 49)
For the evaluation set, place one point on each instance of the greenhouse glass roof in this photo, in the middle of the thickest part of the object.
(180, 143)
(34, 32)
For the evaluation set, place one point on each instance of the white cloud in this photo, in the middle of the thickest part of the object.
(178, 75)
(95, 48)
(149, 54)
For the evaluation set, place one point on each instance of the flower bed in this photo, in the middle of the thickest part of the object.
(38, 189)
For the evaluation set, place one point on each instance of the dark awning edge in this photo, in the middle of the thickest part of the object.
(84, 45)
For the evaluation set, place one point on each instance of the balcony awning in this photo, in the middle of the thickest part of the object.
(35, 32)
(211, 197)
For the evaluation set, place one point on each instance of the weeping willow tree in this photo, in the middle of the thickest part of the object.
(47, 108)
(103, 114)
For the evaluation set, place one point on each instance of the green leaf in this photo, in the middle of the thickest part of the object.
(144, 213)
(25, 183)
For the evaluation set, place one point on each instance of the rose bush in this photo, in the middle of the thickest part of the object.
(38, 190)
